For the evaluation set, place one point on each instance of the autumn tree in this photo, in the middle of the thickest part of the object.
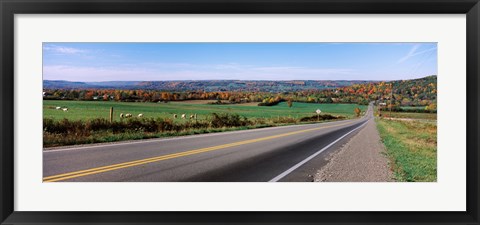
(357, 111)
(431, 106)
(89, 95)
(290, 103)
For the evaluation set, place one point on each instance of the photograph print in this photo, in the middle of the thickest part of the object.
(239, 112)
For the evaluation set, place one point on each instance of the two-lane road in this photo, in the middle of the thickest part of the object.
(268, 154)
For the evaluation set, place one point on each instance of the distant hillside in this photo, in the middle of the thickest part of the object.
(62, 84)
(422, 91)
(205, 85)
(415, 92)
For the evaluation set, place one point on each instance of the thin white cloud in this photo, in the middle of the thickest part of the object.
(78, 73)
(56, 49)
(413, 52)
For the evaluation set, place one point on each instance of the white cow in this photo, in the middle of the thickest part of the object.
(184, 116)
(65, 109)
(121, 115)
(140, 115)
(128, 115)
(174, 116)
(58, 108)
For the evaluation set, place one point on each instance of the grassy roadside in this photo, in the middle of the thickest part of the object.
(57, 140)
(66, 132)
(411, 147)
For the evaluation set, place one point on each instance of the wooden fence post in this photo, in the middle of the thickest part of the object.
(111, 114)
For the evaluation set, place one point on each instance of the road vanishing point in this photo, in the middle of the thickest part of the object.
(287, 153)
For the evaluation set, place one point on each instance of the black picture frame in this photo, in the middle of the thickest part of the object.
(9, 8)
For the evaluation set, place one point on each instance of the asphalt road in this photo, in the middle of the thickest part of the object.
(260, 155)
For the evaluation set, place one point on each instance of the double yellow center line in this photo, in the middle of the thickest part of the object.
(102, 169)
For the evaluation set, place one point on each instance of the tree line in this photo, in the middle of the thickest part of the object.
(418, 92)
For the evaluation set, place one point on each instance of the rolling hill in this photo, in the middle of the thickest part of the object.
(205, 85)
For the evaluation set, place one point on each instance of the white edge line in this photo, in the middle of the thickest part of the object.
(181, 137)
(282, 175)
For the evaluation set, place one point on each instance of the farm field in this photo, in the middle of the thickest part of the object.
(408, 115)
(84, 110)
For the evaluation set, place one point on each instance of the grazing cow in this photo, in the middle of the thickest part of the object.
(58, 108)
(174, 116)
(140, 115)
(184, 116)
(191, 116)
(65, 109)
(121, 115)
(128, 115)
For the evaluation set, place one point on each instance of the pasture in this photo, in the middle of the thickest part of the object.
(84, 110)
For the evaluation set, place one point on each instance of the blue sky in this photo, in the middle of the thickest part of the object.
(239, 61)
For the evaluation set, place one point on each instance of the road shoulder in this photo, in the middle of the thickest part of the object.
(361, 159)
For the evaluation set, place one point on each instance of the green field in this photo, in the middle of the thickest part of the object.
(82, 110)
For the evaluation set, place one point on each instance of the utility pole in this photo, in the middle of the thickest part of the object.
(391, 99)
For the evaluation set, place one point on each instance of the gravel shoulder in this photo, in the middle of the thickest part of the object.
(361, 159)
